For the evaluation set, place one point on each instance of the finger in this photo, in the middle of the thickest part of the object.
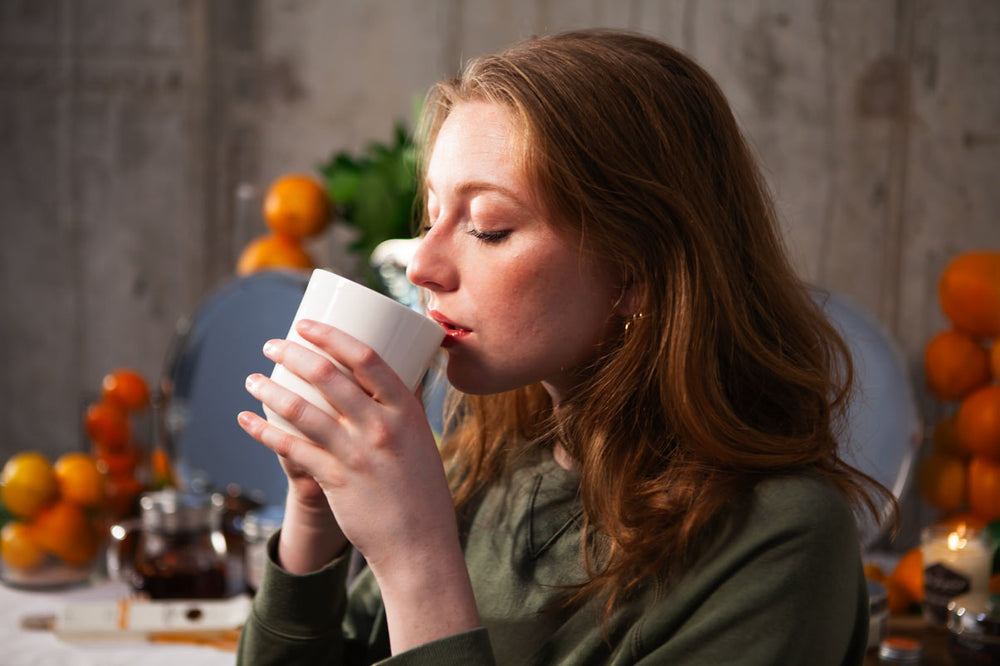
(307, 456)
(369, 370)
(312, 421)
(338, 388)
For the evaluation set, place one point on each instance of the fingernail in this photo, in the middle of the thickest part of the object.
(270, 347)
(243, 418)
(251, 382)
(306, 325)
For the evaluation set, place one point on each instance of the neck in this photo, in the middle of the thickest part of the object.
(559, 452)
(563, 459)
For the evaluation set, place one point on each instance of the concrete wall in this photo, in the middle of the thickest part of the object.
(126, 127)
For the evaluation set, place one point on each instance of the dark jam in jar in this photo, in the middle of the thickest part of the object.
(181, 549)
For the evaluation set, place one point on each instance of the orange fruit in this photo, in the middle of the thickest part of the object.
(984, 488)
(122, 492)
(969, 290)
(18, 548)
(899, 600)
(941, 481)
(270, 252)
(107, 425)
(955, 364)
(977, 423)
(80, 480)
(945, 437)
(297, 206)
(874, 572)
(909, 575)
(117, 463)
(63, 530)
(27, 483)
(126, 388)
(160, 468)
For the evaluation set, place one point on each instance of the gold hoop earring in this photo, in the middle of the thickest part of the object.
(636, 316)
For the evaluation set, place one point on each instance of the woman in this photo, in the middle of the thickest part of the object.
(642, 451)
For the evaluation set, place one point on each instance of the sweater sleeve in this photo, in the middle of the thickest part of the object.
(471, 648)
(788, 587)
(297, 618)
(309, 619)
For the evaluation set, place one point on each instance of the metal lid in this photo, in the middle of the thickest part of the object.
(172, 510)
(900, 650)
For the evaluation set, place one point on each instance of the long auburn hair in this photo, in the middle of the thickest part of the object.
(731, 374)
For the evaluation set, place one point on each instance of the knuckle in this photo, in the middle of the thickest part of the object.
(294, 408)
(380, 435)
(325, 373)
(366, 357)
(355, 459)
(284, 444)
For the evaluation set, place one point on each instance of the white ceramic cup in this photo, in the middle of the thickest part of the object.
(405, 339)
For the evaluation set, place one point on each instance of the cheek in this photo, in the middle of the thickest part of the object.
(554, 296)
(527, 302)
(556, 317)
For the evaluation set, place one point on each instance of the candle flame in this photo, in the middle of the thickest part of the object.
(957, 540)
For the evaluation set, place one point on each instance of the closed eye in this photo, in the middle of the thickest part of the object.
(489, 236)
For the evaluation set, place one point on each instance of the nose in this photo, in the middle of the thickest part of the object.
(432, 267)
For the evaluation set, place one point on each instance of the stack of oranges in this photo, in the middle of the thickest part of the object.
(962, 364)
(56, 509)
(960, 475)
(118, 451)
(296, 207)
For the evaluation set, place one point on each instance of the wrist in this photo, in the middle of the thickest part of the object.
(427, 596)
(310, 537)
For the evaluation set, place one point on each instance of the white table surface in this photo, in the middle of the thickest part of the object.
(22, 647)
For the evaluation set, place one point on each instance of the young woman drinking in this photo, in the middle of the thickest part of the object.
(641, 465)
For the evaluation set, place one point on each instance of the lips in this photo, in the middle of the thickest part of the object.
(453, 331)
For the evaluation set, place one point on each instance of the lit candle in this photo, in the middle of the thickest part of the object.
(956, 562)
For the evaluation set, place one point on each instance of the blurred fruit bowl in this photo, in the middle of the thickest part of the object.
(53, 522)
(55, 517)
(51, 574)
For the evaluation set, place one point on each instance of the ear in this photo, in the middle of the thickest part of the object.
(632, 297)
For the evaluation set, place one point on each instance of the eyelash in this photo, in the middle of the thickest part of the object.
(489, 236)
(485, 236)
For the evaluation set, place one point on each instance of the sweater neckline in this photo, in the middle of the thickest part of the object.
(554, 507)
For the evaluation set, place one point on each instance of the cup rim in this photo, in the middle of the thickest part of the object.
(326, 274)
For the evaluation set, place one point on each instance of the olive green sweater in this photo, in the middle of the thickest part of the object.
(785, 586)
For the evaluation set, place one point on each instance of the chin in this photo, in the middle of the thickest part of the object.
(471, 387)
(479, 381)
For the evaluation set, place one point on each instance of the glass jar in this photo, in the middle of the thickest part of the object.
(176, 550)
(956, 561)
(974, 629)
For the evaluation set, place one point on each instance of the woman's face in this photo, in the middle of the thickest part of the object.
(520, 302)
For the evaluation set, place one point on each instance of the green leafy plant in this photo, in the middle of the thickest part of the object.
(374, 192)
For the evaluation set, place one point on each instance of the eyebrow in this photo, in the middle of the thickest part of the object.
(473, 187)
